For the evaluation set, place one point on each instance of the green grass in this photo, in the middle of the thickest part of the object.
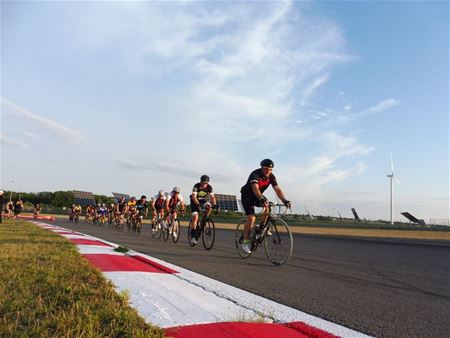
(48, 290)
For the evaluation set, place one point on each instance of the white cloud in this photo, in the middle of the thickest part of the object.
(383, 105)
(45, 123)
(13, 143)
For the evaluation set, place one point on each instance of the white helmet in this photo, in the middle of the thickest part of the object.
(161, 193)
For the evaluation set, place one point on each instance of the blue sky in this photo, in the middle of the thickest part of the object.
(135, 97)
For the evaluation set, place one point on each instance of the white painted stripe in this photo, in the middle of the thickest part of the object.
(70, 236)
(97, 249)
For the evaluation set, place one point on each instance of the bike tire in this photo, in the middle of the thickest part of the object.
(279, 244)
(176, 230)
(208, 234)
(239, 237)
(165, 233)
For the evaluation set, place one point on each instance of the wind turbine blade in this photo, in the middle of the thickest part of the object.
(396, 179)
(392, 164)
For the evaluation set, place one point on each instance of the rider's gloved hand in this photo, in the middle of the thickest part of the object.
(287, 203)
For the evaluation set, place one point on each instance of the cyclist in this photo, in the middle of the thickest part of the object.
(111, 209)
(252, 195)
(102, 212)
(120, 211)
(200, 192)
(89, 213)
(158, 203)
(77, 212)
(18, 206)
(141, 210)
(130, 210)
(9, 209)
(172, 201)
(37, 210)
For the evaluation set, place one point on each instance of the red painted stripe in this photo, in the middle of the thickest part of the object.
(82, 241)
(156, 265)
(309, 331)
(234, 329)
(106, 262)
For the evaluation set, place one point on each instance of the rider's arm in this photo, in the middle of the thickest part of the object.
(257, 192)
(194, 198)
(213, 198)
(281, 196)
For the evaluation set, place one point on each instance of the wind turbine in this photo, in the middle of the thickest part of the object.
(391, 178)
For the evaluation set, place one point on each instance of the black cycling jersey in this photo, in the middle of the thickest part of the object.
(122, 206)
(141, 206)
(202, 192)
(263, 182)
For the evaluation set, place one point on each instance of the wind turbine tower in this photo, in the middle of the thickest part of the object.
(391, 181)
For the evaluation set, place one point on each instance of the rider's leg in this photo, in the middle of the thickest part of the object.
(248, 225)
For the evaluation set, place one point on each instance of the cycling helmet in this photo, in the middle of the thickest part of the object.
(267, 163)
(204, 178)
(161, 193)
(143, 197)
(176, 189)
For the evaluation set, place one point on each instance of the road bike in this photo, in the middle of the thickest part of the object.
(274, 233)
(159, 225)
(173, 229)
(206, 229)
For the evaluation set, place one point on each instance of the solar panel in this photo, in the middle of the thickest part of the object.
(413, 219)
(83, 198)
(118, 196)
(226, 202)
(355, 214)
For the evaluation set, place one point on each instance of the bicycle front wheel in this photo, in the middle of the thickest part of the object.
(176, 231)
(239, 237)
(165, 232)
(278, 244)
(208, 234)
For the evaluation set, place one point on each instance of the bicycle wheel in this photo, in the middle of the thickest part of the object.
(165, 232)
(239, 237)
(189, 234)
(176, 231)
(279, 244)
(208, 234)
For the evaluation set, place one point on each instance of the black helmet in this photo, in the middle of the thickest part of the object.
(143, 197)
(267, 163)
(204, 178)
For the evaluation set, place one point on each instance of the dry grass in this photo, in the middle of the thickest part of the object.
(48, 290)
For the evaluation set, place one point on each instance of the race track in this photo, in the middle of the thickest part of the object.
(381, 287)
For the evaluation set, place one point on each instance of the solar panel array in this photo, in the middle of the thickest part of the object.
(118, 196)
(83, 198)
(226, 202)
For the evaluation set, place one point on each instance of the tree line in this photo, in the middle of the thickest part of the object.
(57, 199)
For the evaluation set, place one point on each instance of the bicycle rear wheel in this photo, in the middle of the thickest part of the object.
(279, 244)
(239, 237)
(176, 230)
(208, 234)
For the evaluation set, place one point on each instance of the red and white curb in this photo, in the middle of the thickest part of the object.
(188, 304)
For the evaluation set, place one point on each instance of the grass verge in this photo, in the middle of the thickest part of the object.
(48, 290)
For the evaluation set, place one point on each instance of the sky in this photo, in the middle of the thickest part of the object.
(134, 97)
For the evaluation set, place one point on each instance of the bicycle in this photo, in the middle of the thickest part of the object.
(274, 233)
(158, 227)
(173, 229)
(206, 230)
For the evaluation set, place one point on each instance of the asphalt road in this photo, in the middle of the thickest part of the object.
(381, 287)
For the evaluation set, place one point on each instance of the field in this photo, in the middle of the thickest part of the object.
(48, 290)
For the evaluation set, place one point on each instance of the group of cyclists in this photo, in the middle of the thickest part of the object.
(165, 206)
